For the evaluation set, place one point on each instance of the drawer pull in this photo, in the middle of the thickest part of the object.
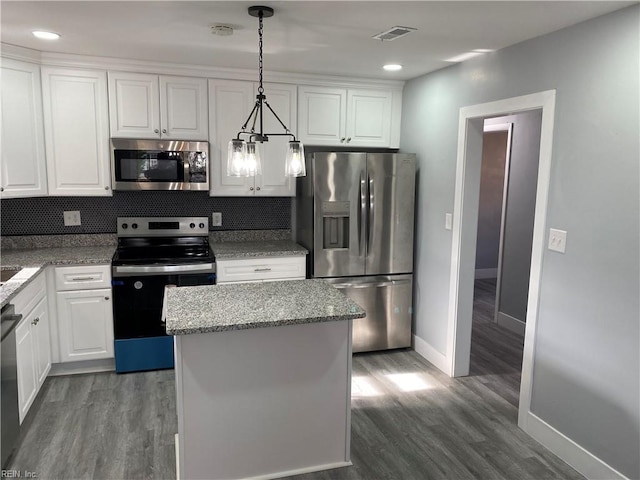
(262, 270)
(35, 321)
(82, 279)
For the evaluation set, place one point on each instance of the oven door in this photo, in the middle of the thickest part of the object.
(141, 342)
(137, 302)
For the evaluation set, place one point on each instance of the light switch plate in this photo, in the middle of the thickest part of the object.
(557, 240)
(216, 219)
(72, 218)
(448, 221)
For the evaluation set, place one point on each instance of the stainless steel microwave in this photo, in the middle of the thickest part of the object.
(159, 165)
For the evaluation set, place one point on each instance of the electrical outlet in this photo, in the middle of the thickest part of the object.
(557, 240)
(216, 219)
(72, 219)
(448, 221)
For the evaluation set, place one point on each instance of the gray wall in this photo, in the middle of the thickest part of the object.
(494, 154)
(586, 365)
(519, 216)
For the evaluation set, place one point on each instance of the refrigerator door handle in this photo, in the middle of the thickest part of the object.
(361, 218)
(371, 213)
(389, 283)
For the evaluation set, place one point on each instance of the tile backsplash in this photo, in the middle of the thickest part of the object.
(43, 215)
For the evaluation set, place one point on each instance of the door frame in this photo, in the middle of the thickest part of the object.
(465, 218)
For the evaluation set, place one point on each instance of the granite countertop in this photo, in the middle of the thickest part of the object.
(32, 261)
(268, 248)
(219, 308)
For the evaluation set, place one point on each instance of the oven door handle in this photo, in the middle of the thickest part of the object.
(130, 270)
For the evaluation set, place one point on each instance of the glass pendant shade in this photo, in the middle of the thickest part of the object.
(253, 164)
(294, 166)
(236, 158)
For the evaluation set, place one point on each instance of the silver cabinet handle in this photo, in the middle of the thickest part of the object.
(106, 188)
(156, 131)
(261, 269)
(251, 188)
(106, 298)
(1, 189)
(35, 321)
(348, 139)
(257, 188)
(342, 140)
(164, 130)
(82, 279)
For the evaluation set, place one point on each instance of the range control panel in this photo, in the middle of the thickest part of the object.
(162, 226)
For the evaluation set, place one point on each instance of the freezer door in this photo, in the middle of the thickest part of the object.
(391, 196)
(339, 214)
(387, 302)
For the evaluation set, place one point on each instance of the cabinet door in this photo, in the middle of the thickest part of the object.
(22, 135)
(134, 105)
(230, 103)
(40, 329)
(27, 380)
(76, 132)
(273, 182)
(369, 118)
(85, 322)
(183, 108)
(321, 115)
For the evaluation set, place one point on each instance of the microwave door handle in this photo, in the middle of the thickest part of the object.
(185, 167)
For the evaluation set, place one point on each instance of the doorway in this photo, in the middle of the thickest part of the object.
(465, 218)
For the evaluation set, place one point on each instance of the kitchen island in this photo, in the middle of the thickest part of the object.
(263, 378)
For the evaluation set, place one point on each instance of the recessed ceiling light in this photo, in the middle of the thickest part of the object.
(45, 35)
(392, 67)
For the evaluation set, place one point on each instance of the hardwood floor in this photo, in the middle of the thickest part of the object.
(409, 421)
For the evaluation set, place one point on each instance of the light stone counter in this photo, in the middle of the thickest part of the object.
(32, 261)
(218, 308)
(267, 248)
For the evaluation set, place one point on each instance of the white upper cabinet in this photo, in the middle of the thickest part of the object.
(23, 170)
(230, 103)
(322, 115)
(152, 106)
(76, 131)
(349, 117)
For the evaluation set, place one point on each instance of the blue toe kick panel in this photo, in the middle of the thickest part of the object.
(138, 354)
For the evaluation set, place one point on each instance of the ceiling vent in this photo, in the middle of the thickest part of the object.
(393, 33)
(222, 30)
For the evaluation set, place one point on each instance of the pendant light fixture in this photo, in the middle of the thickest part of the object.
(243, 158)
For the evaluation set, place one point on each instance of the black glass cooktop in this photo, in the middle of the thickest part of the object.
(173, 251)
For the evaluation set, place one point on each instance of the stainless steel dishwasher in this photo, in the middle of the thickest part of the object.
(9, 418)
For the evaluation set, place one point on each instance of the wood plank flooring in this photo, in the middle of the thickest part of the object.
(409, 421)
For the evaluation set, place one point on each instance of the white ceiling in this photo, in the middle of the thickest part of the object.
(303, 37)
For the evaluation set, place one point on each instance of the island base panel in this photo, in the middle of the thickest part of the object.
(265, 402)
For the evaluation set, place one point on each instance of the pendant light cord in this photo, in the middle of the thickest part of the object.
(260, 88)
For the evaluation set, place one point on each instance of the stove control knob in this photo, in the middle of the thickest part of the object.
(125, 226)
(192, 225)
(134, 225)
(201, 225)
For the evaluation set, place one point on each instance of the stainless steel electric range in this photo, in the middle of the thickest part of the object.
(154, 252)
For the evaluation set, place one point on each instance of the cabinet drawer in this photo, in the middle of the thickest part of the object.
(83, 278)
(281, 268)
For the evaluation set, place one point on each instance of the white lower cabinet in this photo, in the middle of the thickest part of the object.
(33, 348)
(85, 322)
(263, 269)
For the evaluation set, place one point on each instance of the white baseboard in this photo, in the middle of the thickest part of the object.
(439, 360)
(569, 451)
(511, 323)
(482, 273)
(87, 366)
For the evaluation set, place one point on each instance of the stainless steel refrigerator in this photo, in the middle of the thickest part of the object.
(354, 213)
